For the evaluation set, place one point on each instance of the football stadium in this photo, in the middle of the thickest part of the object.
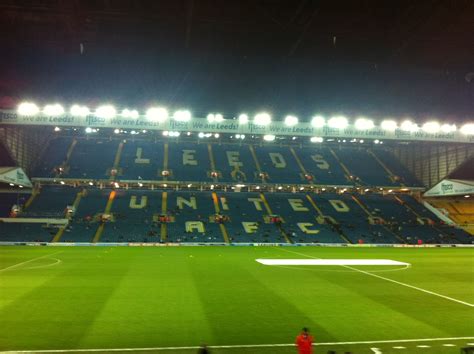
(141, 227)
(324, 226)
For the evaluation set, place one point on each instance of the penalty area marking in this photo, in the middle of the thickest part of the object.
(393, 281)
(31, 260)
(233, 346)
(330, 262)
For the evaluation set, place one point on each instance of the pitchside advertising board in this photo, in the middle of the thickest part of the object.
(230, 126)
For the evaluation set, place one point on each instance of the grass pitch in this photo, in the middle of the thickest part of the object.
(153, 297)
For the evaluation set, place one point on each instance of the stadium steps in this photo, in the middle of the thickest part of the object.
(164, 210)
(117, 158)
(344, 168)
(300, 164)
(255, 160)
(385, 167)
(212, 161)
(68, 155)
(166, 149)
(320, 213)
(269, 212)
(362, 206)
(108, 207)
(75, 205)
(412, 209)
(222, 227)
(440, 230)
(32, 197)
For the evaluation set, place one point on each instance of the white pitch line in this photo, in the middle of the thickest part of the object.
(233, 346)
(395, 282)
(31, 260)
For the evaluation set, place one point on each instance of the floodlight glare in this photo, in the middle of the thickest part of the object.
(291, 121)
(468, 129)
(216, 135)
(431, 127)
(88, 130)
(318, 122)
(389, 125)
(79, 111)
(106, 111)
(269, 137)
(201, 135)
(53, 110)
(243, 119)
(262, 119)
(448, 128)
(182, 116)
(316, 139)
(339, 122)
(214, 118)
(130, 113)
(27, 109)
(364, 124)
(409, 126)
(116, 131)
(157, 114)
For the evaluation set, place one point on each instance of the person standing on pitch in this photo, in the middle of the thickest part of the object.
(204, 349)
(304, 342)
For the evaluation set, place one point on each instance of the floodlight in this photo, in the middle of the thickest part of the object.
(53, 110)
(79, 111)
(316, 139)
(201, 135)
(214, 118)
(389, 125)
(116, 131)
(269, 137)
(431, 127)
(291, 121)
(339, 122)
(243, 119)
(182, 116)
(27, 109)
(448, 128)
(130, 113)
(157, 114)
(364, 124)
(88, 130)
(409, 126)
(318, 122)
(468, 129)
(166, 133)
(106, 111)
(216, 135)
(262, 119)
(57, 129)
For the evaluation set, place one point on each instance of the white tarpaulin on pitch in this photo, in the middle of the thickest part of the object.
(329, 262)
(449, 187)
(14, 175)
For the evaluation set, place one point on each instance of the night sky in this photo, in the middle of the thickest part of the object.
(301, 57)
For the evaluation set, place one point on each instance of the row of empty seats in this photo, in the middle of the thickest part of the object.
(192, 216)
(193, 162)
